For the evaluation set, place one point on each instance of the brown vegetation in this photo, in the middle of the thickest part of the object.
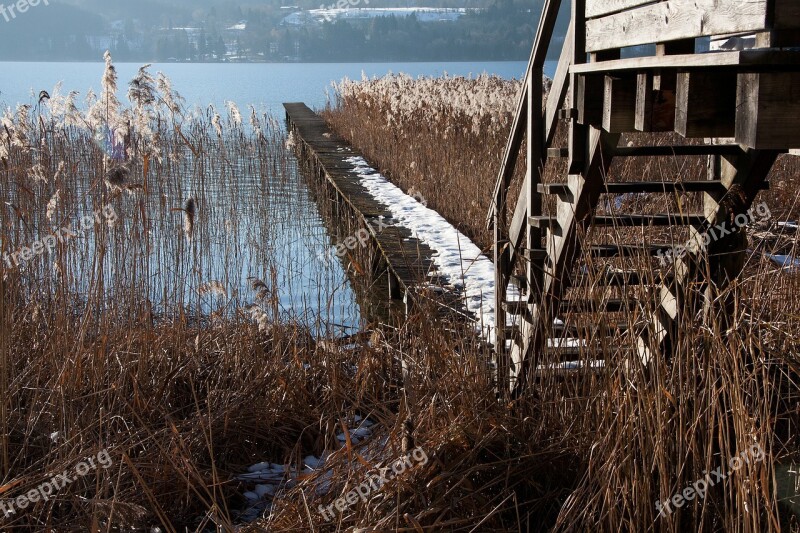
(633, 436)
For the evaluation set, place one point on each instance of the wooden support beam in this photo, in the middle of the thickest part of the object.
(589, 99)
(627, 250)
(705, 104)
(516, 232)
(655, 107)
(558, 92)
(576, 139)
(662, 220)
(598, 8)
(754, 60)
(619, 104)
(778, 39)
(768, 110)
(563, 190)
(784, 28)
(678, 151)
(645, 95)
(533, 177)
(655, 91)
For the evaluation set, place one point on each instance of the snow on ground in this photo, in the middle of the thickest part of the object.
(786, 262)
(268, 479)
(458, 258)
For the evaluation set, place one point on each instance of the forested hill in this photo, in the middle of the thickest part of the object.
(269, 30)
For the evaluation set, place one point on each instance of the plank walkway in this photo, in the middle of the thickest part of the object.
(408, 260)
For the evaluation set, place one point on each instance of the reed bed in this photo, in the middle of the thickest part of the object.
(621, 439)
(443, 137)
(164, 336)
(156, 318)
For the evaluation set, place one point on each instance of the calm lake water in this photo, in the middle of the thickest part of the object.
(266, 86)
(289, 231)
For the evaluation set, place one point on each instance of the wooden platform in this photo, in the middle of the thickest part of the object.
(406, 261)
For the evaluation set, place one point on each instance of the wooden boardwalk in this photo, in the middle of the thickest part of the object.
(406, 261)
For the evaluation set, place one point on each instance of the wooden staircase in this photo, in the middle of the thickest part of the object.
(726, 105)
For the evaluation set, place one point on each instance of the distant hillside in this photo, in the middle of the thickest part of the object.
(272, 30)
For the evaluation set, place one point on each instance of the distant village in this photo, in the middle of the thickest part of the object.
(345, 30)
(233, 44)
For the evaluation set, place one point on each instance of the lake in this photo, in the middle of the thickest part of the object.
(278, 221)
(264, 85)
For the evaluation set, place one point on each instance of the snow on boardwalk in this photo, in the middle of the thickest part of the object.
(415, 241)
(456, 256)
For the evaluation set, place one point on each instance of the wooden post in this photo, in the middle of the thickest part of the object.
(535, 157)
(768, 110)
(705, 104)
(619, 107)
(501, 271)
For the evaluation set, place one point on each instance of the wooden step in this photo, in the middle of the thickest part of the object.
(562, 189)
(637, 220)
(587, 330)
(564, 372)
(620, 279)
(512, 333)
(662, 151)
(606, 306)
(516, 307)
(545, 223)
(678, 151)
(627, 250)
(519, 281)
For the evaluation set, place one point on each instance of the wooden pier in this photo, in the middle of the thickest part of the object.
(394, 256)
(739, 103)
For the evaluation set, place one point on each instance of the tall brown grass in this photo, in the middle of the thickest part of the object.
(595, 452)
(122, 340)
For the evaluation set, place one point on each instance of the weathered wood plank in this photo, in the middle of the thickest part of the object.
(619, 105)
(577, 135)
(516, 230)
(598, 8)
(675, 19)
(558, 92)
(589, 97)
(705, 104)
(645, 96)
(536, 157)
(756, 59)
(768, 110)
